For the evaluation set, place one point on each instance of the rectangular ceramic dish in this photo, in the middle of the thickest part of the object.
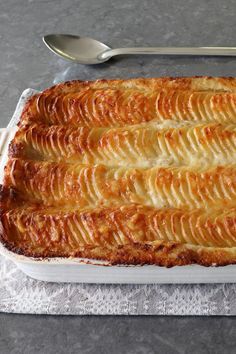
(90, 271)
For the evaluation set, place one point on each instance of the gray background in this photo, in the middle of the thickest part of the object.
(25, 62)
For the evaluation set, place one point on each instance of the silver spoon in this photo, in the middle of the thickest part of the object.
(89, 51)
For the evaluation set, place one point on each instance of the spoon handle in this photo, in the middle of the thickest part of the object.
(216, 51)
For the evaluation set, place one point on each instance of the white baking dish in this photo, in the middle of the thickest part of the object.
(88, 271)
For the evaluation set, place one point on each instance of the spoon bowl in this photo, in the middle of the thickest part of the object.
(82, 50)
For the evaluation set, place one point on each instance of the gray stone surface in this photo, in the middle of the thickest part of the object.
(25, 334)
(25, 62)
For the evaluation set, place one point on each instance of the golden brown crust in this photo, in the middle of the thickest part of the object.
(65, 228)
(120, 102)
(58, 184)
(145, 145)
(138, 171)
(43, 234)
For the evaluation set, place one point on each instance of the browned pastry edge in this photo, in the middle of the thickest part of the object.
(180, 83)
(164, 254)
(161, 253)
(9, 198)
(197, 83)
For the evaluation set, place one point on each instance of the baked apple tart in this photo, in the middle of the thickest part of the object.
(139, 171)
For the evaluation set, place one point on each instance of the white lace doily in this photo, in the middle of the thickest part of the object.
(21, 294)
